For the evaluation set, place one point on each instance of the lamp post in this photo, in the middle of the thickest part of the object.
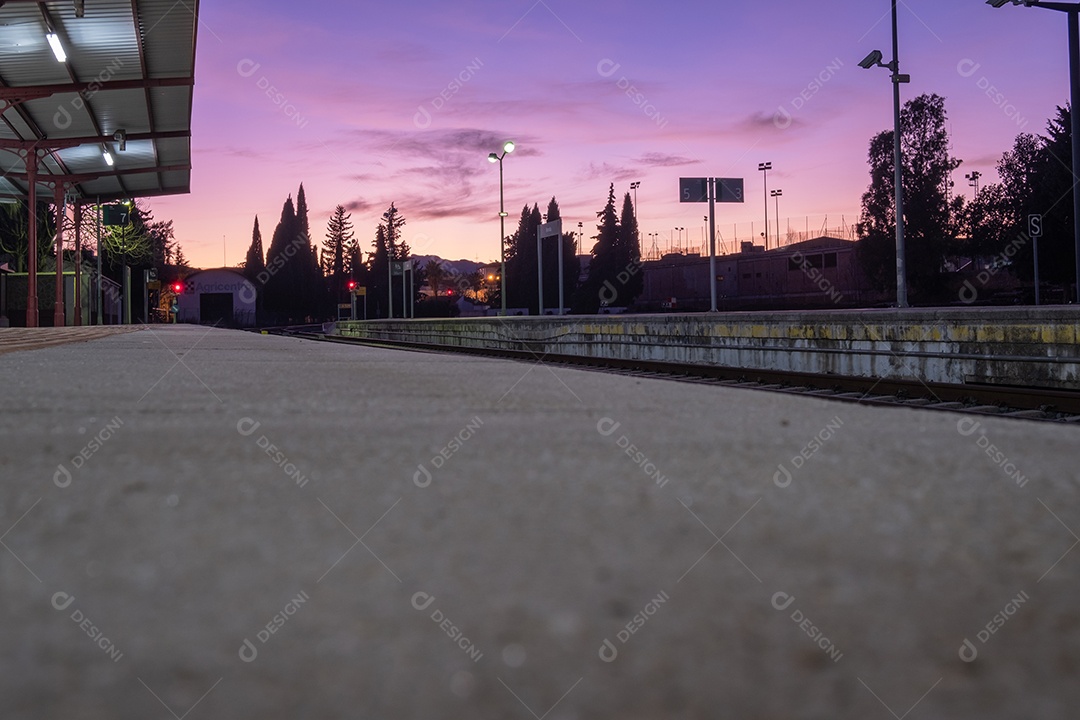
(508, 147)
(973, 181)
(765, 168)
(874, 60)
(777, 194)
(581, 237)
(680, 246)
(1073, 11)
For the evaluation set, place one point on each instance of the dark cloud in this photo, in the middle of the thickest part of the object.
(608, 172)
(655, 159)
(359, 205)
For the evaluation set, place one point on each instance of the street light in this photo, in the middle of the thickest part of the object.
(973, 181)
(874, 59)
(765, 168)
(680, 231)
(1073, 11)
(508, 147)
(777, 194)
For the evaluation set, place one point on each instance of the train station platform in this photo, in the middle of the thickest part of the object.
(206, 523)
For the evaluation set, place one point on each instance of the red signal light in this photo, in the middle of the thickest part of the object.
(178, 288)
(352, 284)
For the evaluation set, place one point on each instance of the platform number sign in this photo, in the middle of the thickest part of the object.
(117, 215)
(730, 190)
(1035, 225)
(693, 190)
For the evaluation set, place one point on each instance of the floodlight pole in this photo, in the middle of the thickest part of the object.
(502, 240)
(901, 262)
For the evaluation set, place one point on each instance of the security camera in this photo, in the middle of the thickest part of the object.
(871, 60)
(120, 136)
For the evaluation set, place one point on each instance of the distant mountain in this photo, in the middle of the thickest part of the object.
(463, 267)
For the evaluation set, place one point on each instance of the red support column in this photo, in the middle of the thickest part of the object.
(31, 244)
(58, 311)
(78, 263)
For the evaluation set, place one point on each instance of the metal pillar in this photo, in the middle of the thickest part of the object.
(31, 242)
(712, 244)
(100, 289)
(78, 263)
(58, 308)
(901, 263)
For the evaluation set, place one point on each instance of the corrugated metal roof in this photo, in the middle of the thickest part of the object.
(130, 67)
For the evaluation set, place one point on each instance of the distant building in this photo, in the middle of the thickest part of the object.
(220, 297)
(819, 273)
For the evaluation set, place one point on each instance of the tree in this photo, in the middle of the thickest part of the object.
(1037, 179)
(397, 250)
(629, 281)
(435, 274)
(521, 289)
(312, 288)
(254, 263)
(604, 267)
(283, 270)
(339, 237)
(15, 231)
(929, 226)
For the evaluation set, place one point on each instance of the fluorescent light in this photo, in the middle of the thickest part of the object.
(108, 157)
(57, 48)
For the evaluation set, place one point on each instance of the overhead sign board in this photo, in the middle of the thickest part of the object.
(693, 190)
(115, 215)
(730, 190)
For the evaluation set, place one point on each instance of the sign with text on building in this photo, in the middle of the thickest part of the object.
(693, 190)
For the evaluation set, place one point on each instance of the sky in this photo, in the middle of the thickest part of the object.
(371, 103)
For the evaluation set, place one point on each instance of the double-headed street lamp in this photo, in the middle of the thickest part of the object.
(508, 147)
(874, 60)
(765, 167)
(1073, 11)
(777, 194)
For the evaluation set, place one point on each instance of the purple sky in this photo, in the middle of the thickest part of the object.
(369, 103)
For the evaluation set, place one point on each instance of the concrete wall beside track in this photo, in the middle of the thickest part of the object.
(1014, 346)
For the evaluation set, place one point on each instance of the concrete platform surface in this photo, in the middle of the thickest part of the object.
(201, 523)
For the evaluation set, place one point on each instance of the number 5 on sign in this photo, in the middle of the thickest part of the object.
(693, 190)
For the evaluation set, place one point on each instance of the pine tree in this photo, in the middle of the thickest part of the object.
(394, 248)
(339, 237)
(604, 267)
(521, 268)
(282, 283)
(254, 264)
(629, 280)
(377, 274)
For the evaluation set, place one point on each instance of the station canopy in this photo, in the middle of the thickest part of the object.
(122, 95)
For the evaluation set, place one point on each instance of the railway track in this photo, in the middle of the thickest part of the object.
(1021, 403)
